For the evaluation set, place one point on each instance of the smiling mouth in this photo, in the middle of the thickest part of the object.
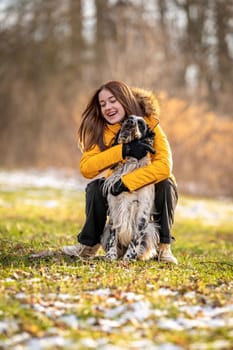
(112, 114)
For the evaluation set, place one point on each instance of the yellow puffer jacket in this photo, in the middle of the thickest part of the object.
(95, 161)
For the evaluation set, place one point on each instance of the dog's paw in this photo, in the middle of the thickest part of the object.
(130, 256)
(131, 253)
(111, 256)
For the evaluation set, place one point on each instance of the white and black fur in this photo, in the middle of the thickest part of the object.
(130, 233)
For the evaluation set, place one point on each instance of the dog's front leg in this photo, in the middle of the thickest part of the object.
(147, 243)
(112, 246)
(137, 248)
(131, 253)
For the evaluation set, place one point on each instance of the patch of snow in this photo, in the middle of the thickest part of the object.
(169, 324)
(15, 339)
(100, 292)
(70, 320)
(89, 343)
(168, 346)
(8, 325)
(114, 312)
(208, 311)
(21, 295)
(190, 295)
(130, 296)
(46, 342)
(107, 325)
(166, 292)
(54, 178)
(211, 212)
(216, 345)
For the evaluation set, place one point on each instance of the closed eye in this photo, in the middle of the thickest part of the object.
(111, 99)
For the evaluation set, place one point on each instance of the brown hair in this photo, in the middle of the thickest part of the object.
(91, 130)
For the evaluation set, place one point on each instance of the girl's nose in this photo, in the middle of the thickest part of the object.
(107, 106)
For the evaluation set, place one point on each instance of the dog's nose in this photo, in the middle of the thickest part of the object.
(130, 122)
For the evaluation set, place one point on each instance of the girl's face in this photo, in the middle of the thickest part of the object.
(112, 110)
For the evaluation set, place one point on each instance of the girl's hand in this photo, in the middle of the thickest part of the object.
(136, 149)
(118, 187)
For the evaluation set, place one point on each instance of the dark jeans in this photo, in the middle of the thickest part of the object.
(96, 211)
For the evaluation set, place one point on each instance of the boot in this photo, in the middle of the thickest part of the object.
(80, 250)
(165, 254)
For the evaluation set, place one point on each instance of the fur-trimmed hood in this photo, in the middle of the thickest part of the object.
(148, 102)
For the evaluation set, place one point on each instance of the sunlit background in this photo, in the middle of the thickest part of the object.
(54, 53)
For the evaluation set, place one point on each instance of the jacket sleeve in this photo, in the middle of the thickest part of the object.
(94, 161)
(159, 169)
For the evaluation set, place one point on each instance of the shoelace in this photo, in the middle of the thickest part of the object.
(160, 255)
(161, 252)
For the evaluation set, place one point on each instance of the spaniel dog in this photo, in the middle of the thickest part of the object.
(129, 232)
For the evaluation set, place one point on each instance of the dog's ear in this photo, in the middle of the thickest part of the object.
(142, 126)
(150, 133)
(149, 137)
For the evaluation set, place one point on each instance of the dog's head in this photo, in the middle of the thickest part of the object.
(135, 128)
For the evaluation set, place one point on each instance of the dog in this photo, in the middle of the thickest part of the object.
(129, 232)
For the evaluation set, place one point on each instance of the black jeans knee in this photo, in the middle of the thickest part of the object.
(166, 198)
(96, 214)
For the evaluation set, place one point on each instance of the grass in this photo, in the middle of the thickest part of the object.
(59, 302)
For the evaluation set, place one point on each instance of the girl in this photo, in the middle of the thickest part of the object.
(101, 120)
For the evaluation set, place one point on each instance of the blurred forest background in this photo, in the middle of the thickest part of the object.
(54, 53)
